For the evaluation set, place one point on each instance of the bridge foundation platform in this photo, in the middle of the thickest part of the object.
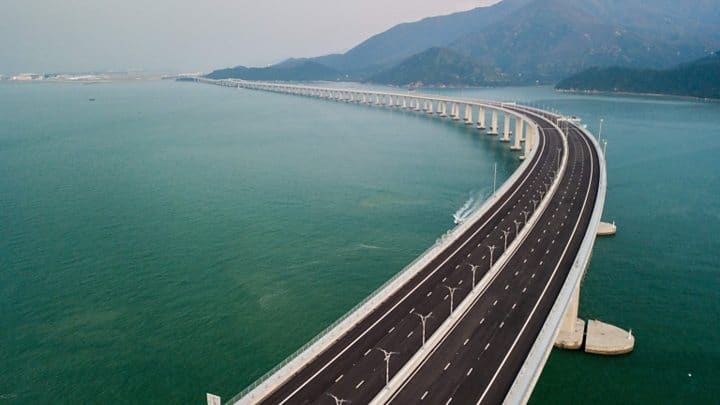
(608, 340)
(606, 229)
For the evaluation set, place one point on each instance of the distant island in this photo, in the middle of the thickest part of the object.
(699, 79)
(290, 70)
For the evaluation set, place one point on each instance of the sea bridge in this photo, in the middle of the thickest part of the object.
(473, 319)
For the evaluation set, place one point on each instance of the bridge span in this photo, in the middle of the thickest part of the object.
(474, 318)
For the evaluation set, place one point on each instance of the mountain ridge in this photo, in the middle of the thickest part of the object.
(699, 79)
(540, 41)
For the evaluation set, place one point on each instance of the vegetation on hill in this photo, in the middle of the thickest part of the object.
(438, 66)
(696, 79)
(300, 71)
(527, 41)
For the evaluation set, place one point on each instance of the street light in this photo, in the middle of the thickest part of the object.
(387, 355)
(494, 178)
(492, 249)
(505, 233)
(338, 401)
(534, 204)
(423, 319)
(473, 268)
(517, 226)
(558, 150)
(452, 295)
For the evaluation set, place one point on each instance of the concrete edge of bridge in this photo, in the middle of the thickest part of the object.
(448, 325)
(276, 376)
(524, 383)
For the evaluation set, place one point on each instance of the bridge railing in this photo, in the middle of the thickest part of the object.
(426, 254)
(440, 244)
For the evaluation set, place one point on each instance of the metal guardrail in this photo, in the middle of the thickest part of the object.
(296, 353)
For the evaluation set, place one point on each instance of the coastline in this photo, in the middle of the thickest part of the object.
(633, 94)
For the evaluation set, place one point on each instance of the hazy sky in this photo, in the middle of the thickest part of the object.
(83, 35)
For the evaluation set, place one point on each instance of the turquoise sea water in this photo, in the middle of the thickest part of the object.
(171, 239)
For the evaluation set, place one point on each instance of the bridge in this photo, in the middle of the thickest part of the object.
(474, 318)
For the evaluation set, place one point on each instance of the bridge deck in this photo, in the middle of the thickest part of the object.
(353, 368)
(479, 357)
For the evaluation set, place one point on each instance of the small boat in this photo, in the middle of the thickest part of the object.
(91, 99)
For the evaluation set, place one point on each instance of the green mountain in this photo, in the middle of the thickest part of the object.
(438, 66)
(700, 78)
(289, 71)
(388, 48)
(527, 41)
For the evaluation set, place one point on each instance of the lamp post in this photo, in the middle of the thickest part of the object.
(423, 320)
(505, 233)
(526, 214)
(492, 249)
(495, 177)
(534, 204)
(558, 154)
(452, 295)
(473, 268)
(338, 401)
(387, 355)
(517, 226)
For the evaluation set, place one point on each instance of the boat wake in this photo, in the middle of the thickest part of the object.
(476, 199)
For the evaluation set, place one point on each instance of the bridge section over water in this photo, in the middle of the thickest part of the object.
(474, 318)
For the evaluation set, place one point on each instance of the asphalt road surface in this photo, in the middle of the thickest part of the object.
(478, 360)
(353, 367)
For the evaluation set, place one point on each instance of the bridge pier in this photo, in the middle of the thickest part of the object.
(506, 128)
(481, 118)
(572, 329)
(494, 123)
(599, 337)
(442, 109)
(530, 136)
(468, 114)
(518, 133)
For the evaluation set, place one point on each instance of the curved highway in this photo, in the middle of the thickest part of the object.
(510, 263)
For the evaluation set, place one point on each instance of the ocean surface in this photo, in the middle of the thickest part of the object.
(172, 239)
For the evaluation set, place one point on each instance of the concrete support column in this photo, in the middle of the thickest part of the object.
(494, 123)
(572, 329)
(429, 107)
(506, 128)
(529, 139)
(404, 103)
(481, 118)
(455, 111)
(518, 133)
(468, 114)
